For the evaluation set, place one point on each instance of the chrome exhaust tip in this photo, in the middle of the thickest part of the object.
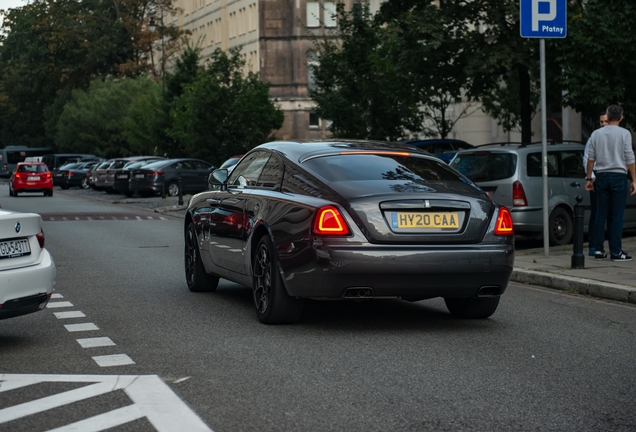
(358, 293)
(489, 291)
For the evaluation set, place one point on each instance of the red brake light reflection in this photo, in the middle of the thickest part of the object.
(504, 222)
(40, 237)
(329, 221)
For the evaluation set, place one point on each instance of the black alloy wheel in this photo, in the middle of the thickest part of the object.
(273, 304)
(561, 227)
(472, 308)
(196, 277)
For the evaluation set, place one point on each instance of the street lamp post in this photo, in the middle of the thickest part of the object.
(152, 26)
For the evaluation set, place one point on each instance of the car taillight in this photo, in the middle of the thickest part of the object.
(40, 237)
(69, 174)
(89, 175)
(17, 175)
(329, 221)
(157, 173)
(504, 222)
(518, 195)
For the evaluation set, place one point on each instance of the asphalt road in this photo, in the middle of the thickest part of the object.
(546, 360)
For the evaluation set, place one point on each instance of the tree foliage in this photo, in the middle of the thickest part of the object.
(102, 120)
(223, 111)
(598, 57)
(359, 85)
(50, 47)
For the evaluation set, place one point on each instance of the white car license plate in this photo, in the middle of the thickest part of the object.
(33, 178)
(14, 248)
(122, 176)
(139, 176)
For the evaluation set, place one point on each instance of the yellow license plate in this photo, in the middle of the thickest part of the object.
(408, 220)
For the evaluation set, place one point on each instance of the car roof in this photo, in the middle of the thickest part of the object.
(302, 149)
(519, 146)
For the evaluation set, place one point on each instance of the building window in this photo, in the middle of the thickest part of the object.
(330, 14)
(313, 14)
(312, 62)
(314, 120)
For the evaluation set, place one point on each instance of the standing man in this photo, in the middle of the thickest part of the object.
(590, 228)
(610, 148)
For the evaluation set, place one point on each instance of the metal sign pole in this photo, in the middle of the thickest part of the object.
(544, 154)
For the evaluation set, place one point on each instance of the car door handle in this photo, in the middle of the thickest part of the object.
(213, 200)
(575, 184)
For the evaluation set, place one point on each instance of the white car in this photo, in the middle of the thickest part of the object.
(27, 270)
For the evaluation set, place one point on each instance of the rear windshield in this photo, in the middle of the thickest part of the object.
(360, 167)
(32, 168)
(485, 166)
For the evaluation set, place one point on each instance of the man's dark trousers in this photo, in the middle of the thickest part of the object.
(611, 196)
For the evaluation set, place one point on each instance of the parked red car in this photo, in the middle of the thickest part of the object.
(31, 177)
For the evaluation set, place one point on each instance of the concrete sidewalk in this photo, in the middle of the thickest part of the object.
(604, 278)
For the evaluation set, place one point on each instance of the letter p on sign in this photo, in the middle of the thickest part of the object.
(538, 16)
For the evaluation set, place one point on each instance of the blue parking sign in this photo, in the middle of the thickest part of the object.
(543, 18)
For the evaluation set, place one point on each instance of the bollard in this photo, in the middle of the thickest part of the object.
(136, 183)
(180, 190)
(578, 259)
(163, 190)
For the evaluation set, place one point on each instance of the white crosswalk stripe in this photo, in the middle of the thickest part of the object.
(151, 398)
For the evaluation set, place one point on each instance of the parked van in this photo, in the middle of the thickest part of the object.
(55, 160)
(11, 155)
(510, 173)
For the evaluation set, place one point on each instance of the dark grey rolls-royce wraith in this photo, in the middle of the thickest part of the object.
(348, 220)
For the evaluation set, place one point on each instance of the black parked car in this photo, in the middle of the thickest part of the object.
(165, 174)
(118, 164)
(348, 220)
(73, 175)
(121, 183)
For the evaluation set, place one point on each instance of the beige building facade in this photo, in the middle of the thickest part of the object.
(276, 40)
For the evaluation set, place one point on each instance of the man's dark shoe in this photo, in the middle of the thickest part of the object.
(600, 255)
(621, 257)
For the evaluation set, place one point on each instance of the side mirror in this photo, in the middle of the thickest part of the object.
(218, 177)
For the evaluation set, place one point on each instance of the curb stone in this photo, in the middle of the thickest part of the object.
(599, 289)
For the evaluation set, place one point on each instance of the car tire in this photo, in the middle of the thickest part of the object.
(15, 194)
(472, 308)
(63, 187)
(273, 304)
(196, 277)
(84, 184)
(561, 227)
(172, 189)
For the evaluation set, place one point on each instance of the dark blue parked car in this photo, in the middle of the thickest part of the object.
(444, 149)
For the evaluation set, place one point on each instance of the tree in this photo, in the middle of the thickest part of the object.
(50, 47)
(598, 57)
(97, 120)
(432, 38)
(359, 85)
(223, 112)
